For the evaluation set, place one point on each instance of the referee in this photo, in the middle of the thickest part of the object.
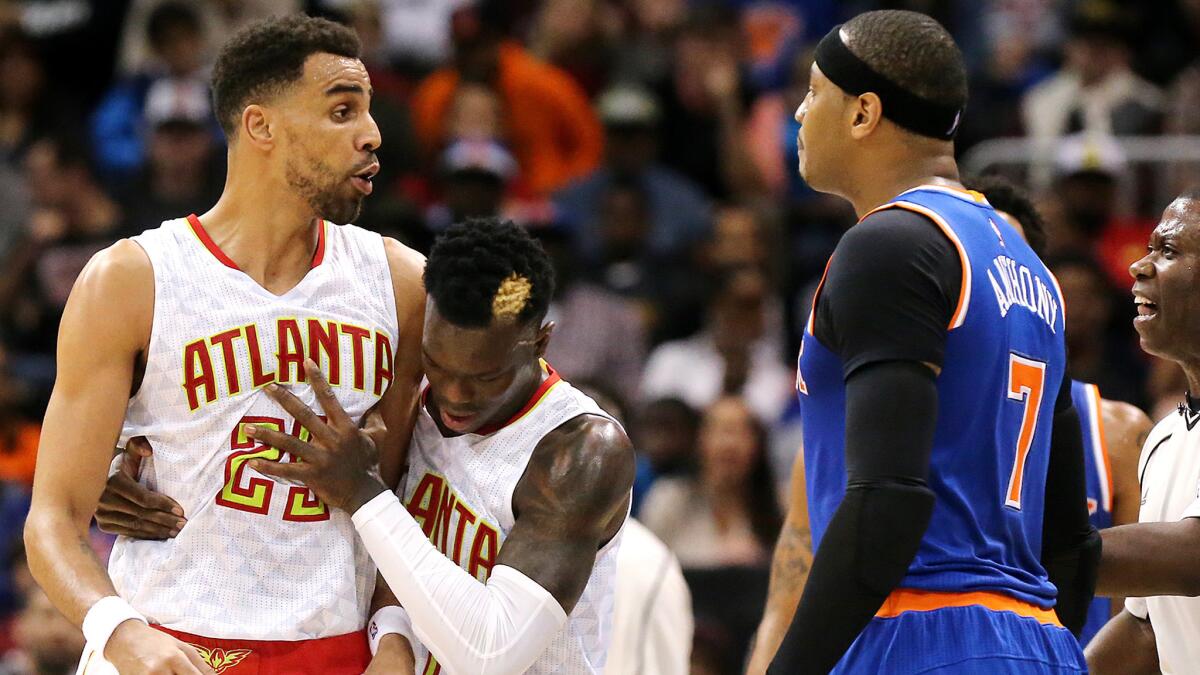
(1156, 562)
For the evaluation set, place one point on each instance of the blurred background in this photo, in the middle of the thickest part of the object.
(650, 145)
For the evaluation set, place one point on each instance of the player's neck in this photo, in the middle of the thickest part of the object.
(890, 176)
(1192, 372)
(267, 232)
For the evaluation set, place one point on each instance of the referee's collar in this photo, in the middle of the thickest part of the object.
(1189, 409)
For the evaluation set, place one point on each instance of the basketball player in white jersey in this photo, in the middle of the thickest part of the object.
(1153, 562)
(173, 336)
(521, 482)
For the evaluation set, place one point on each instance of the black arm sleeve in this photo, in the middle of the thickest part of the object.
(1070, 545)
(891, 290)
(891, 415)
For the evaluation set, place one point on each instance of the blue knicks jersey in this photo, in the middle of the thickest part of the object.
(1002, 369)
(1099, 487)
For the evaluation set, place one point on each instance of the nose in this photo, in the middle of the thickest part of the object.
(1142, 268)
(801, 111)
(370, 140)
(457, 393)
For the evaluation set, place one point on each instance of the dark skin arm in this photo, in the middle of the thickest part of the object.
(789, 573)
(572, 498)
(1126, 428)
(1145, 559)
(1125, 646)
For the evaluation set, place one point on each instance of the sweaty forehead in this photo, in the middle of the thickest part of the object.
(323, 70)
(1181, 221)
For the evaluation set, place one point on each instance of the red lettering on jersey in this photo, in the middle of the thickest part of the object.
(465, 517)
(425, 501)
(198, 372)
(383, 363)
(225, 341)
(445, 510)
(483, 552)
(258, 378)
(325, 340)
(359, 337)
(291, 351)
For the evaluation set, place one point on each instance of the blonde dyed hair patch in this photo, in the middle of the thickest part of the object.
(511, 297)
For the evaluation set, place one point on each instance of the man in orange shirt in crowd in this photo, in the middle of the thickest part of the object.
(551, 127)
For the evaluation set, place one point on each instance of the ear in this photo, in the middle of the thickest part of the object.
(256, 126)
(867, 113)
(543, 338)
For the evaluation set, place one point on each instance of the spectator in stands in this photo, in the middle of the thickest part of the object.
(599, 336)
(1098, 353)
(664, 431)
(28, 110)
(15, 578)
(19, 431)
(771, 129)
(1096, 91)
(728, 513)
(575, 35)
(705, 102)
(679, 211)
(46, 643)
(73, 218)
(184, 170)
(119, 130)
(552, 130)
(733, 355)
(219, 19)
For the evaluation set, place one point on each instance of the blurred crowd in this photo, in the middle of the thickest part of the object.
(651, 146)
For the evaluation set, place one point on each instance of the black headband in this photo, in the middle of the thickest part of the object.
(901, 106)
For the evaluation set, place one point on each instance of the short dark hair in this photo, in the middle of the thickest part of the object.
(1005, 195)
(262, 59)
(487, 268)
(912, 50)
(171, 15)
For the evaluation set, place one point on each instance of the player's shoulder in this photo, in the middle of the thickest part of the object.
(124, 265)
(587, 452)
(891, 231)
(407, 267)
(1125, 416)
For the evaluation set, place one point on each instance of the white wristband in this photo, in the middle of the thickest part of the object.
(104, 617)
(390, 619)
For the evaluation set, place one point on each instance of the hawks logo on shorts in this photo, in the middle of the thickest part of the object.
(221, 660)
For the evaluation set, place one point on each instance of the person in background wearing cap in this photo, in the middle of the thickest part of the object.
(119, 125)
(552, 130)
(679, 211)
(942, 450)
(183, 172)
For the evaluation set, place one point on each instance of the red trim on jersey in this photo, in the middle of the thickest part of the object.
(537, 397)
(202, 235)
(209, 244)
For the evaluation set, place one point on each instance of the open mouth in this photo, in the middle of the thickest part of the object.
(1145, 308)
(362, 179)
(458, 423)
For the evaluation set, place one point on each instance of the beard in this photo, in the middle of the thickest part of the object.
(324, 190)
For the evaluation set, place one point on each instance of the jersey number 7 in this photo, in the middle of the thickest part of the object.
(1026, 383)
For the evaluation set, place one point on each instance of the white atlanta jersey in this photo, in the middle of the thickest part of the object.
(1169, 471)
(460, 489)
(258, 559)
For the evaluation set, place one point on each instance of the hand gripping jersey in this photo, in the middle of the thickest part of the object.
(1003, 366)
(1099, 487)
(460, 489)
(258, 559)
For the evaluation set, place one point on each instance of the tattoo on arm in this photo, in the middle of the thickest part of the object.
(570, 502)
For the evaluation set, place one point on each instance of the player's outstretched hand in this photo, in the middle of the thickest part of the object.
(137, 648)
(127, 507)
(341, 465)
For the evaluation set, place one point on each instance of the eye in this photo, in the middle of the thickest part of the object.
(341, 113)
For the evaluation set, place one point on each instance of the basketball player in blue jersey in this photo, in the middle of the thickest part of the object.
(942, 450)
(1113, 431)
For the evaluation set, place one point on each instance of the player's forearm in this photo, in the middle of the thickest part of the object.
(789, 574)
(1125, 646)
(500, 627)
(1145, 559)
(62, 561)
